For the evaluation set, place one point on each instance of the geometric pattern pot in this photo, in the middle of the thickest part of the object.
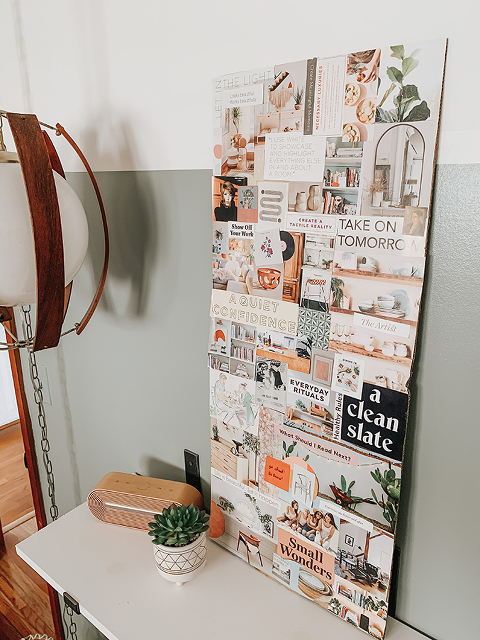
(181, 564)
(315, 324)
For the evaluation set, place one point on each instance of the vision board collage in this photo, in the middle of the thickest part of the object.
(321, 196)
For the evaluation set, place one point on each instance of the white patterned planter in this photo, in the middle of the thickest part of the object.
(181, 564)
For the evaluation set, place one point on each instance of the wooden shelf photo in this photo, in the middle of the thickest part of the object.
(344, 162)
(377, 314)
(387, 277)
(376, 353)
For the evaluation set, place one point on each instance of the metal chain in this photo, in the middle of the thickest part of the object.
(70, 625)
(42, 420)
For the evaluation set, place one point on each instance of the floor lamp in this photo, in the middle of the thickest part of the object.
(43, 242)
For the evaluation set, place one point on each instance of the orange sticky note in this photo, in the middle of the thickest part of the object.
(277, 473)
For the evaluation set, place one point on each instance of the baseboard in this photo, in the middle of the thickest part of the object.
(9, 424)
(18, 522)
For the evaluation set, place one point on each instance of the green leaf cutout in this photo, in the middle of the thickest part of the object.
(395, 75)
(383, 116)
(398, 51)
(419, 113)
(408, 65)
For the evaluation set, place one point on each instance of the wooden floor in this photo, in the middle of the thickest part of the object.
(24, 603)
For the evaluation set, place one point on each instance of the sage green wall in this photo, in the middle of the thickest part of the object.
(131, 392)
(439, 523)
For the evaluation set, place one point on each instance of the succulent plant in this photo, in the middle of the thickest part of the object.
(178, 526)
(391, 485)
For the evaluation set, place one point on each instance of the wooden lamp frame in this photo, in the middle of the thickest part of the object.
(38, 159)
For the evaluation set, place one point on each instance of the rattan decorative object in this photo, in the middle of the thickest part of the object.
(131, 501)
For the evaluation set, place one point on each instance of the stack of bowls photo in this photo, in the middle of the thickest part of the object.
(385, 302)
(366, 306)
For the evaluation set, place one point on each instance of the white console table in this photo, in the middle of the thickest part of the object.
(111, 572)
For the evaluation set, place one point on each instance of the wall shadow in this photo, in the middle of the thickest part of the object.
(133, 220)
(157, 468)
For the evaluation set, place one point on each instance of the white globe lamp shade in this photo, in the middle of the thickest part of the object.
(17, 253)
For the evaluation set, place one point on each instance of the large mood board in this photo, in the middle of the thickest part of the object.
(322, 180)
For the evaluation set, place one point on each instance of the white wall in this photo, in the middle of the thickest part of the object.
(131, 82)
(8, 402)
